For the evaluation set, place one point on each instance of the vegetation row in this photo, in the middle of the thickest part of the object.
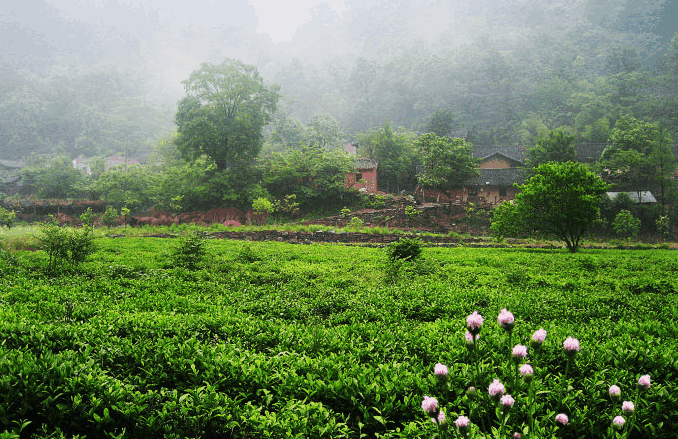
(216, 338)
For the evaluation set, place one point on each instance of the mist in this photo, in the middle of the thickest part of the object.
(103, 77)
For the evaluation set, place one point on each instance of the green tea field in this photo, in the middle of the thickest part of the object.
(276, 340)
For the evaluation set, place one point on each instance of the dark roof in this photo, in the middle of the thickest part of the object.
(359, 164)
(514, 152)
(498, 177)
(589, 152)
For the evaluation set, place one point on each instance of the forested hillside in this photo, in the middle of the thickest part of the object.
(95, 79)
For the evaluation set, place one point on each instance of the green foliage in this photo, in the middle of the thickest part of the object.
(663, 225)
(412, 213)
(88, 217)
(224, 112)
(395, 154)
(66, 245)
(110, 216)
(406, 249)
(556, 146)
(313, 341)
(447, 162)
(345, 212)
(189, 251)
(314, 176)
(639, 157)
(58, 179)
(263, 205)
(355, 223)
(7, 217)
(625, 224)
(560, 199)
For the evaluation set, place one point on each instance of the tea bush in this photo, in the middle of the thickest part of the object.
(310, 341)
(407, 249)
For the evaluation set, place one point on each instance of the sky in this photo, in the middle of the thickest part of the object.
(280, 19)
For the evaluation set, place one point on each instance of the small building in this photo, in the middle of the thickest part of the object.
(364, 176)
(635, 196)
(500, 169)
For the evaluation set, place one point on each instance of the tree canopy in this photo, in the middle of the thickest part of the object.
(556, 146)
(224, 112)
(446, 162)
(560, 200)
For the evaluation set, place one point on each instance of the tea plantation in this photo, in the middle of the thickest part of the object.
(274, 340)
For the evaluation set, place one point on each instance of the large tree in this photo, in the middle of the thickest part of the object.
(560, 199)
(639, 157)
(556, 146)
(224, 112)
(447, 163)
(395, 154)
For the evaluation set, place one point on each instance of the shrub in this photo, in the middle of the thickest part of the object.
(248, 255)
(663, 225)
(190, 250)
(66, 245)
(88, 217)
(407, 249)
(625, 224)
(7, 217)
(263, 205)
(355, 223)
(109, 217)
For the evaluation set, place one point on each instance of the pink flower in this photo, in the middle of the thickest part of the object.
(471, 339)
(441, 421)
(627, 407)
(507, 401)
(517, 435)
(562, 419)
(462, 423)
(496, 389)
(526, 371)
(618, 422)
(615, 392)
(506, 320)
(440, 371)
(430, 405)
(644, 382)
(538, 338)
(474, 323)
(571, 346)
(519, 353)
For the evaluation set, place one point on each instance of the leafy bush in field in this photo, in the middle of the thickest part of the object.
(66, 245)
(625, 224)
(88, 217)
(247, 254)
(109, 217)
(407, 249)
(7, 217)
(189, 251)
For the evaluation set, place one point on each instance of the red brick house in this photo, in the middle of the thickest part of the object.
(364, 175)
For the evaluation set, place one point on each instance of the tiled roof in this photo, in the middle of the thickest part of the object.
(589, 152)
(514, 152)
(498, 177)
(365, 164)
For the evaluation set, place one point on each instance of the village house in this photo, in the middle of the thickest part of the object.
(364, 175)
(499, 167)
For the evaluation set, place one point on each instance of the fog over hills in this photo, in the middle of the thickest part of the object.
(93, 77)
